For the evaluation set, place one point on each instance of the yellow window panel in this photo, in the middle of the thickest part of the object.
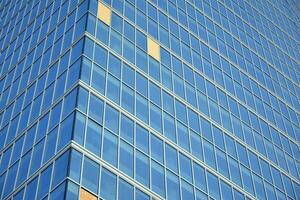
(104, 13)
(85, 195)
(153, 49)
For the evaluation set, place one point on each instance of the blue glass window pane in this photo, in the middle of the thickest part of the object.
(60, 169)
(139, 195)
(168, 103)
(44, 182)
(157, 178)
(42, 127)
(203, 104)
(69, 103)
(113, 89)
(114, 65)
(17, 149)
(58, 193)
(218, 137)
(183, 136)
(173, 191)
(169, 127)
(19, 195)
(234, 171)
(10, 179)
(171, 158)
(72, 191)
(206, 129)
(102, 32)
(193, 120)
(141, 60)
(142, 168)
(93, 137)
(66, 131)
(222, 163)
(116, 22)
(242, 154)
(185, 167)
(112, 119)
(141, 84)
(108, 184)
(74, 73)
(142, 139)
(196, 145)
(155, 117)
(125, 190)
(127, 129)
(154, 69)
(31, 189)
(126, 158)
(199, 174)
(127, 99)
(37, 156)
(24, 167)
(50, 145)
(240, 196)
(100, 56)
(110, 149)
(98, 78)
(180, 111)
(157, 149)
(86, 70)
(226, 191)
(82, 100)
(55, 115)
(142, 108)
(230, 146)
(247, 179)
(155, 95)
(90, 175)
(141, 40)
(79, 128)
(116, 41)
(213, 186)
(128, 75)
(187, 190)
(75, 165)
(129, 51)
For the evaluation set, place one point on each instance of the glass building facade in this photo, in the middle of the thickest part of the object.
(149, 99)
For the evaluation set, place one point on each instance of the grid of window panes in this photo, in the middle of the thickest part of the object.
(217, 117)
(219, 94)
(40, 46)
(60, 179)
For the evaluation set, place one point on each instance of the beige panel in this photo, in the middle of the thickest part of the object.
(85, 195)
(153, 48)
(104, 13)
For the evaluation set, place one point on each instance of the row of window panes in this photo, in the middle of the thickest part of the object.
(39, 187)
(67, 165)
(92, 175)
